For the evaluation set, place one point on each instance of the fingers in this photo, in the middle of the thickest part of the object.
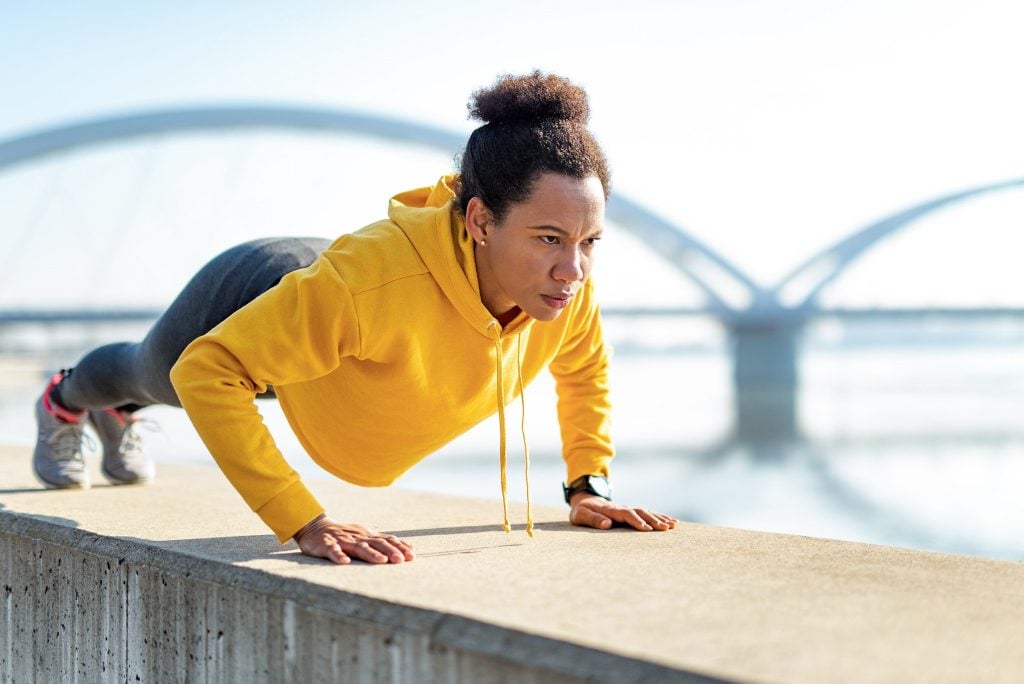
(602, 515)
(332, 551)
(369, 551)
(669, 521)
(379, 549)
(404, 547)
(631, 517)
(654, 520)
(588, 517)
(341, 543)
(645, 520)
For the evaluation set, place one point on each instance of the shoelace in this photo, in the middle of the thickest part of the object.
(67, 441)
(131, 441)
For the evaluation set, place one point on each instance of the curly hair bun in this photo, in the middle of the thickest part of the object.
(533, 97)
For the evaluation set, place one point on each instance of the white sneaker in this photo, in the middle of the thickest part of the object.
(124, 461)
(57, 459)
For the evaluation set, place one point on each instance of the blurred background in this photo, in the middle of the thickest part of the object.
(811, 269)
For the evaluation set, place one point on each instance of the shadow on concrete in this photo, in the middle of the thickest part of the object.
(266, 547)
(35, 489)
(459, 552)
(56, 520)
(228, 549)
(472, 529)
(23, 490)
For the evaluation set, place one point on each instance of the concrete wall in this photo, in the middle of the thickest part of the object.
(179, 582)
(78, 607)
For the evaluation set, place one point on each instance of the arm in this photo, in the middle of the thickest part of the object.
(580, 370)
(584, 410)
(295, 331)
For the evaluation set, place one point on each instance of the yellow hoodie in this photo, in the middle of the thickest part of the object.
(381, 352)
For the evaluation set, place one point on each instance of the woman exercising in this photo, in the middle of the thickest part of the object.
(385, 344)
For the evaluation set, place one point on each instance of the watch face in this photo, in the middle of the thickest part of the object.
(599, 485)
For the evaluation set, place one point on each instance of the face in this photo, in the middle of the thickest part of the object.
(540, 254)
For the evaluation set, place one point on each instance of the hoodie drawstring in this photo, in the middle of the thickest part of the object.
(502, 453)
(522, 429)
(502, 457)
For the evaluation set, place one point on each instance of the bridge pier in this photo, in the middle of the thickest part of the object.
(765, 379)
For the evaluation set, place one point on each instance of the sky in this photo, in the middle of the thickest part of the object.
(768, 130)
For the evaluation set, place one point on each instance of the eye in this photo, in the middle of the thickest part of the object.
(549, 239)
(590, 242)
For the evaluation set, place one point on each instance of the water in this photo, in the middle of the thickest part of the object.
(914, 444)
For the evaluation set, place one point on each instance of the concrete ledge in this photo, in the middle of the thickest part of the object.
(179, 582)
(114, 610)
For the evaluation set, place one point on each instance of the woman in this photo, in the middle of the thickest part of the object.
(386, 344)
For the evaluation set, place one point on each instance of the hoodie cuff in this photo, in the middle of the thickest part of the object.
(290, 510)
(593, 465)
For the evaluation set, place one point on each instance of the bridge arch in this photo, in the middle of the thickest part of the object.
(804, 284)
(726, 287)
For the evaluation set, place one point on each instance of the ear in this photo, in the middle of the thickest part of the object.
(478, 219)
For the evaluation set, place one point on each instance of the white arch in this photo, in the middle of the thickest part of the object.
(823, 268)
(722, 283)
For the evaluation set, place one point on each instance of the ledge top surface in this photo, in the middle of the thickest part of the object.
(724, 602)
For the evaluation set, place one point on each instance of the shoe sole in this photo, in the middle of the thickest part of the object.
(118, 482)
(53, 485)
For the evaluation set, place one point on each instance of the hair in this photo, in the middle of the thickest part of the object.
(532, 124)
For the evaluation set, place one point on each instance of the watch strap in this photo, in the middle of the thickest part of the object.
(594, 484)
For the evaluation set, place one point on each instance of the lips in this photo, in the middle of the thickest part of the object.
(558, 301)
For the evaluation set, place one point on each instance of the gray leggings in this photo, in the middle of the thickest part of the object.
(133, 375)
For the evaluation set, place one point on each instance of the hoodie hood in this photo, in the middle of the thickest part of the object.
(438, 233)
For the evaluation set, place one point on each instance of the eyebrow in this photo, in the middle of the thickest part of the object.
(562, 231)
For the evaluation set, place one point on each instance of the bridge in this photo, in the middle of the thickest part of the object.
(764, 323)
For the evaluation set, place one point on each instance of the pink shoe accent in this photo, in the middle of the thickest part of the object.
(122, 417)
(55, 409)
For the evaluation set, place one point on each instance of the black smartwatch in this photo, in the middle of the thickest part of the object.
(595, 484)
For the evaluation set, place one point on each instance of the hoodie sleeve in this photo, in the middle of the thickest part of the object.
(581, 380)
(297, 330)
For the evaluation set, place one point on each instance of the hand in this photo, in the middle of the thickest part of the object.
(589, 510)
(341, 542)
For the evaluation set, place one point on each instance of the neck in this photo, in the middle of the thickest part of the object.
(507, 317)
(488, 294)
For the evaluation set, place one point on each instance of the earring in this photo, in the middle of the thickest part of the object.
(483, 243)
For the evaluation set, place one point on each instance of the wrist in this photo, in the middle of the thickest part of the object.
(596, 485)
(308, 526)
(580, 497)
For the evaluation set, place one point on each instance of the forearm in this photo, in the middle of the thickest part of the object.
(219, 401)
(584, 416)
(581, 373)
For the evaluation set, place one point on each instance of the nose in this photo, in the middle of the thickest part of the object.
(571, 266)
